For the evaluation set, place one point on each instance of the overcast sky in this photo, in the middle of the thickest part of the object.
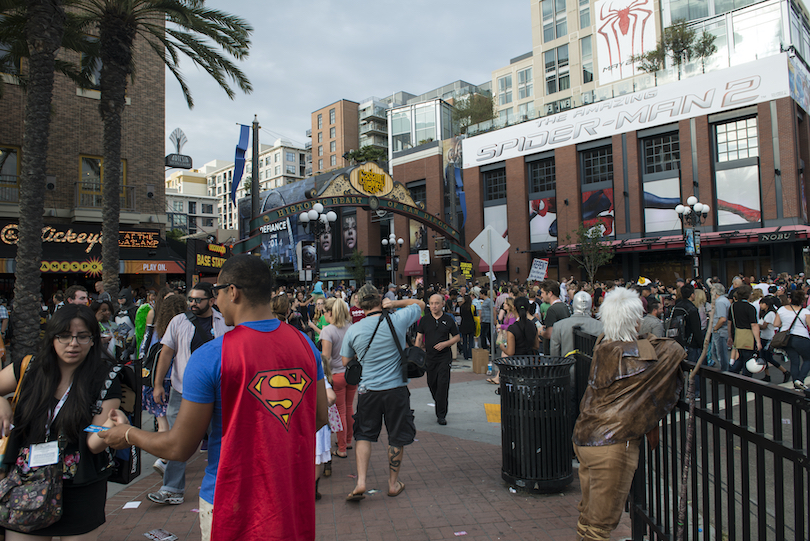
(307, 54)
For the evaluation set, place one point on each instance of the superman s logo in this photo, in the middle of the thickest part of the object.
(280, 391)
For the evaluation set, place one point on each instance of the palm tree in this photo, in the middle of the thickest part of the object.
(44, 28)
(190, 27)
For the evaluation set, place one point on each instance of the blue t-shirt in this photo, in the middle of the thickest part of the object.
(381, 365)
(201, 384)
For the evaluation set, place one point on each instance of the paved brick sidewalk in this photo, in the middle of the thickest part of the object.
(453, 485)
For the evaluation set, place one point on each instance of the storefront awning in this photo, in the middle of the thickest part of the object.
(764, 235)
(412, 266)
(499, 266)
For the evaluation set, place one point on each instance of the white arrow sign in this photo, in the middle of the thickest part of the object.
(489, 245)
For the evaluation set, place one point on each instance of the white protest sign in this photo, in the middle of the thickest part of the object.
(539, 270)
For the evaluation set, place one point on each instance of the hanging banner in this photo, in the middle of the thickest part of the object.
(624, 28)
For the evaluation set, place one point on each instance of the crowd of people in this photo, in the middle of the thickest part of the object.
(219, 376)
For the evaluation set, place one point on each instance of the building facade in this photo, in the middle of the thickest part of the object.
(335, 131)
(75, 169)
(189, 208)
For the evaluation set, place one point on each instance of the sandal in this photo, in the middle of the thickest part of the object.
(337, 454)
(492, 381)
(398, 491)
(354, 497)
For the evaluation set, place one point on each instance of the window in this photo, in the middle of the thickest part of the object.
(207, 208)
(320, 151)
(320, 165)
(504, 90)
(278, 170)
(425, 120)
(331, 116)
(332, 160)
(320, 121)
(332, 146)
(7, 64)
(557, 76)
(584, 13)
(177, 206)
(332, 132)
(9, 174)
(290, 156)
(525, 83)
(91, 179)
(526, 111)
(208, 222)
(597, 165)
(542, 176)
(507, 115)
(320, 137)
(192, 207)
(95, 69)
(495, 185)
(290, 169)
(586, 47)
(554, 22)
(662, 153)
(737, 140)
(418, 193)
(401, 130)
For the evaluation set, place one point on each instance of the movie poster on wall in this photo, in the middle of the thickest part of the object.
(597, 211)
(738, 199)
(624, 28)
(660, 199)
(349, 233)
(418, 236)
(496, 217)
(543, 219)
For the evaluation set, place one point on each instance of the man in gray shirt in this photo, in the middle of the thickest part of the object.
(392, 292)
(486, 319)
(719, 328)
(562, 333)
(651, 323)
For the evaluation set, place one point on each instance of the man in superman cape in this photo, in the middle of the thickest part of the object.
(262, 385)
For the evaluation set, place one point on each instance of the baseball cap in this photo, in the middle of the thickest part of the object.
(392, 285)
(368, 292)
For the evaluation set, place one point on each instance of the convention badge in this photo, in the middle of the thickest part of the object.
(43, 454)
(95, 428)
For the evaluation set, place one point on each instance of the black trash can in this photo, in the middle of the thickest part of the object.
(536, 422)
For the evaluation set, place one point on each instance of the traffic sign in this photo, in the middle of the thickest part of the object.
(489, 245)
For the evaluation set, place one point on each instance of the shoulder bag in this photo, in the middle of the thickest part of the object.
(413, 358)
(743, 338)
(354, 369)
(14, 399)
(781, 339)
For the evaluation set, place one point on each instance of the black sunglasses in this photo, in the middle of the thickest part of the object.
(215, 290)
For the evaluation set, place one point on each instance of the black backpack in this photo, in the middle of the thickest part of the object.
(150, 363)
(676, 326)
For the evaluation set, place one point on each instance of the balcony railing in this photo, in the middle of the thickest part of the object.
(309, 132)
(373, 112)
(9, 189)
(377, 127)
(88, 195)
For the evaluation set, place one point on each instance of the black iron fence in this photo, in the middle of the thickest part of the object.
(750, 471)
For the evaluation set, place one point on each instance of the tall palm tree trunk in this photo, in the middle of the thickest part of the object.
(46, 21)
(116, 39)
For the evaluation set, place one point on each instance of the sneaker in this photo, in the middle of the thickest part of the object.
(164, 497)
(441, 421)
(159, 466)
(799, 385)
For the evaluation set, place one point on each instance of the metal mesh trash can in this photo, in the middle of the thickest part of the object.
(536, 421)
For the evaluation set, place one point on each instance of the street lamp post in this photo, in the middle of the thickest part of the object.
(391, 243)
(692, 215)
(318, 222)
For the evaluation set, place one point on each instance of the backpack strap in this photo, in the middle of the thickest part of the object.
(370, 341)
(403, 361)
(105, 389)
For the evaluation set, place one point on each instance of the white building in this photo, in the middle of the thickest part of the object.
(281, 163)
(188, 205)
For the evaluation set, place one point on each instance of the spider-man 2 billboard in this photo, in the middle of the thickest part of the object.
(624, 28)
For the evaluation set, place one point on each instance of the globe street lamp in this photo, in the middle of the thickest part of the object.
(391, 243)
(692, 215)
(318, 222)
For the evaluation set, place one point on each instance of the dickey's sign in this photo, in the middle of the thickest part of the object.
(87, 240)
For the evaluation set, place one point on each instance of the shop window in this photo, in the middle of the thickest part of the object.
(737, 140)
(597, 165)
(662, 153)
(91, 179)
(495, 185)
(542, 176)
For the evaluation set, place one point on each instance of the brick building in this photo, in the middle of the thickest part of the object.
(75, 175)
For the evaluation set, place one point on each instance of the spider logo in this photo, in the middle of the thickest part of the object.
(618, 21)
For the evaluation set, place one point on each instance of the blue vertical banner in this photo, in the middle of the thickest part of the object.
(239, 159)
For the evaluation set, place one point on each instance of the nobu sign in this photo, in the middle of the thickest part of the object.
(783, 236)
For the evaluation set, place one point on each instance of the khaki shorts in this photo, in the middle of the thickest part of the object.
(206, 516)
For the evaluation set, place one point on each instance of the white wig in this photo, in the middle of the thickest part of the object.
(620, 313)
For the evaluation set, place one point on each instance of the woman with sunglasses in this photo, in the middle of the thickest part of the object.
(59, 392)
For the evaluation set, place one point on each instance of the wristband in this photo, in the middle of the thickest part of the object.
(126, 435)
